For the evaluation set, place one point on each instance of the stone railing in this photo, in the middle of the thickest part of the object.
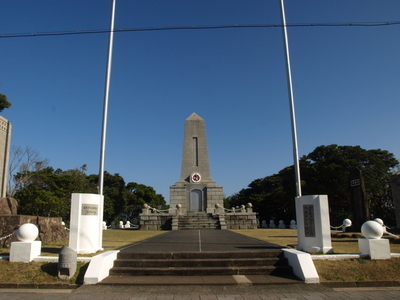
(243, 209)
(151, 210)
(241, 217)
(155, 219)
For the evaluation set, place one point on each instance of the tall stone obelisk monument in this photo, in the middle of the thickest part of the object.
(195, 190)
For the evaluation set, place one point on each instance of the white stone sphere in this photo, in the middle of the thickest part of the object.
(27, 232)
(372, 230)
(347, 222)
(178, 206)
(249, 205)
(380, 221)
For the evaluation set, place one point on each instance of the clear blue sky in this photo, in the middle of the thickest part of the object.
(346, 83)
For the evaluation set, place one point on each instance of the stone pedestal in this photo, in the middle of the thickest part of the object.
(86, 232)
(25, 251)
(313, 225)
(375, 248)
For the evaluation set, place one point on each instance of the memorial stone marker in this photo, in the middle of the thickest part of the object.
(86, 223)
(359, 204)
(313, 226)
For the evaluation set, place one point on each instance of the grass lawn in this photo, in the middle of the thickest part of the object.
(342, 243)
(344, 270)
(112, 239)
(38, 272)
(340, 270)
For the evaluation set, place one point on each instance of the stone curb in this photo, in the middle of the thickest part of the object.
(329, 284)
(56, 286)
(377, 283)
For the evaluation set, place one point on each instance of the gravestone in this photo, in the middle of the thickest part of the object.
(195, 190)
(271, 224)
(358, 200)
(281, 224)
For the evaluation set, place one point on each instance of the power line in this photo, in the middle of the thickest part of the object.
(198, 27)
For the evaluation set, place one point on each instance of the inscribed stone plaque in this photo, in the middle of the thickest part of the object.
(309, 223)
(90, 210)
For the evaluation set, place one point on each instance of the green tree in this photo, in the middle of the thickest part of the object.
(114, 194)
(47, 192)
(326, 171)
(139, 194)
(4, 102)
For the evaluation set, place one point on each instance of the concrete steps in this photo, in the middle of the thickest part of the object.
(197, 220)
(201, 264)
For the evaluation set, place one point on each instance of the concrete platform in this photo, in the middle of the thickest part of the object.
(200, 240)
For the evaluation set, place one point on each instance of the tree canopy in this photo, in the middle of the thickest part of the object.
(325, 171)
(4, 102)
(47, 192)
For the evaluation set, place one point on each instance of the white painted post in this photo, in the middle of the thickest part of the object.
(86, 223)
(313, 225)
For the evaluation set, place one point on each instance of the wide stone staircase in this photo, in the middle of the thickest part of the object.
(160, 268)
(196, 220)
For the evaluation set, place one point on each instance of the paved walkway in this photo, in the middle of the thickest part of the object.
(314, 291)
(200, 240)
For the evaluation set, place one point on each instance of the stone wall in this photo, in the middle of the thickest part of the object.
(241, 221)
(155, 222)
(8, 206)
(50, 229)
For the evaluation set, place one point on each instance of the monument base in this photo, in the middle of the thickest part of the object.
(25, 251)
(375, 248)
(315, 250)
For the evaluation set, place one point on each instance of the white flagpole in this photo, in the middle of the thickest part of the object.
(291, 102)
(106, 94)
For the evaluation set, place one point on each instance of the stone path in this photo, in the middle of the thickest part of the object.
(314, 291)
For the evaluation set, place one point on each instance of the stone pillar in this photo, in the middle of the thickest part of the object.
(5, 141)
(395, 184)
(358, 200)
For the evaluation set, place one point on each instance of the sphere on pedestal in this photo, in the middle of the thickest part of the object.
(27, 232)
(372, 230)
(347, 222)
